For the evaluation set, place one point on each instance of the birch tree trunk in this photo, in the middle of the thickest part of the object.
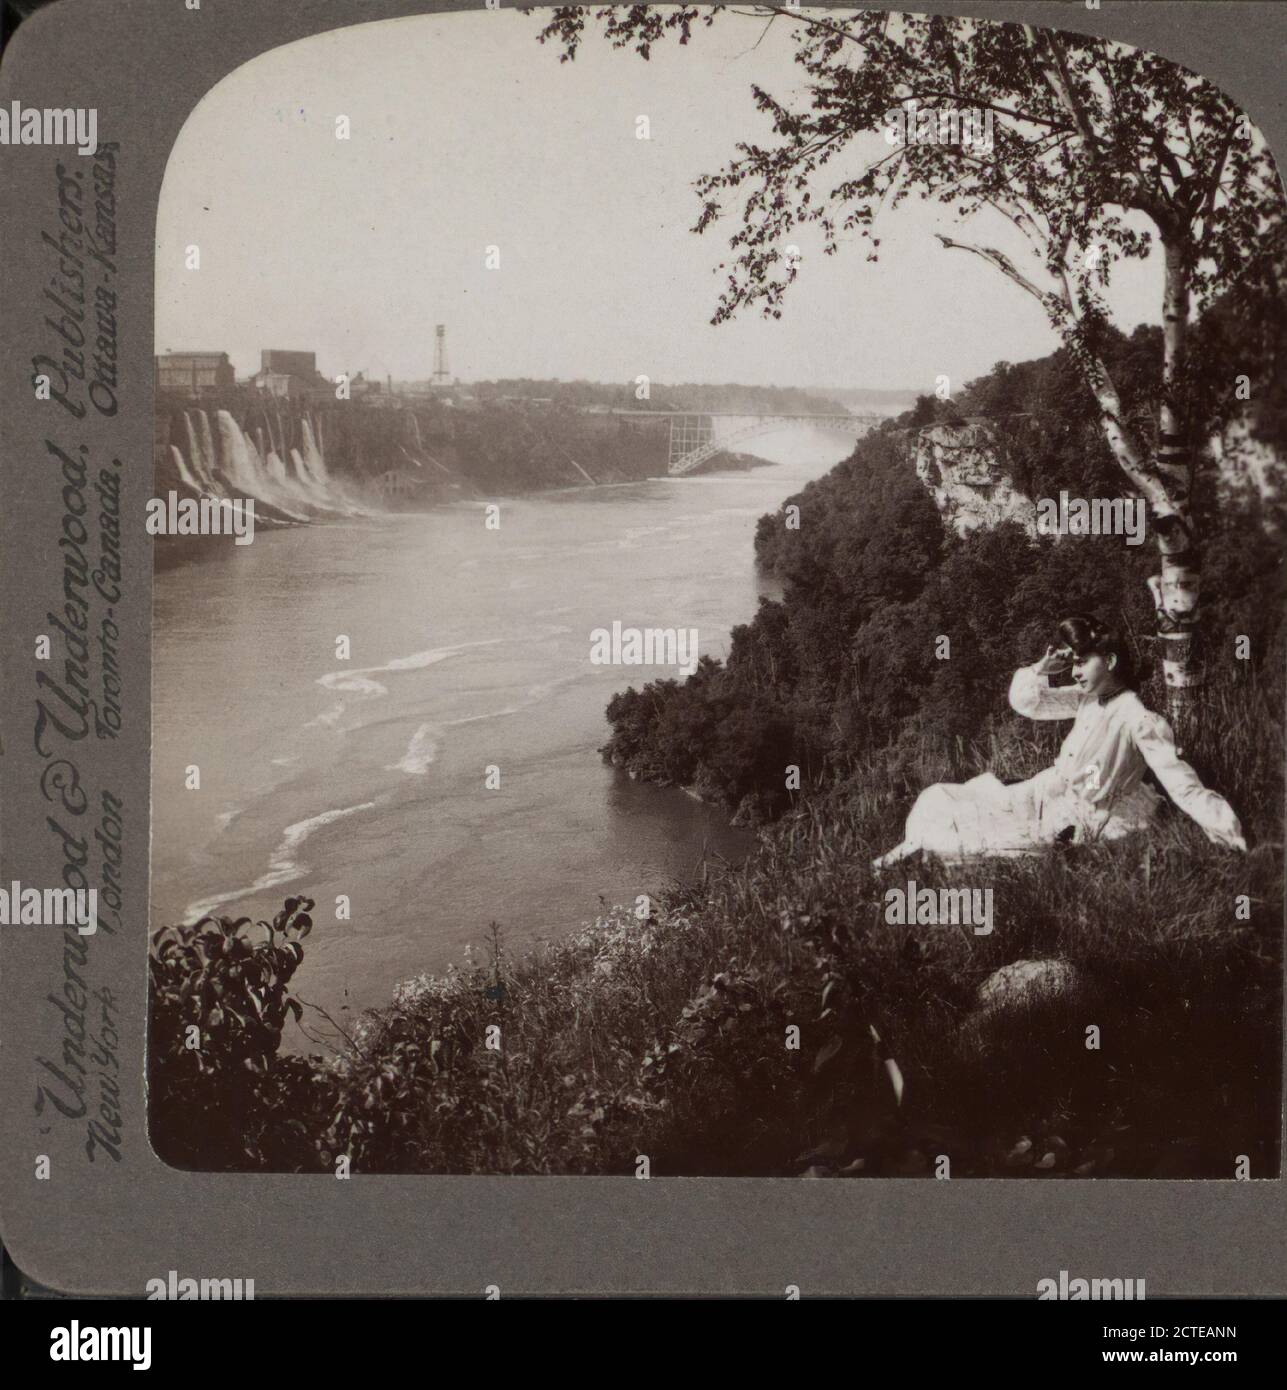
(1162, 476)
(1164, 479)
(1175, 589)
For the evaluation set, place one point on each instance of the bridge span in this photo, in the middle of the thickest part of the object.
(695, 437)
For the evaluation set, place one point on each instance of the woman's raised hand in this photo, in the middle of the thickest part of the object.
(1055, 660)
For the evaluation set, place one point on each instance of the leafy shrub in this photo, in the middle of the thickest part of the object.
(220, 1097)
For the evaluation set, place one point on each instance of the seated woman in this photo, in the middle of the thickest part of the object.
(1095, 789)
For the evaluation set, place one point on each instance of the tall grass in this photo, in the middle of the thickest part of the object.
(747, 1025)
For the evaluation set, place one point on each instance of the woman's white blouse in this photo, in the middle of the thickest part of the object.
(1102, 760)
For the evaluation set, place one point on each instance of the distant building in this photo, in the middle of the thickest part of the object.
(289, 374)
(289, 363)
(194, 373)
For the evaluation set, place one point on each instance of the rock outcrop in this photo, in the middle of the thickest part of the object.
(1250, 468)
(969, 470)
(966, 470)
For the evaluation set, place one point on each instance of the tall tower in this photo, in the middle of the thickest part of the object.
(440, 375)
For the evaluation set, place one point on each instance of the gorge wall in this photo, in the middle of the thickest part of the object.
(969, 469)
(301, 461)
(979, 472)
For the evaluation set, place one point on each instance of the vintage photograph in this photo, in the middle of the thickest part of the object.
(718, 605)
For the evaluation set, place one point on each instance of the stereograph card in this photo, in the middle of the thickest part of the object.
(643, 649)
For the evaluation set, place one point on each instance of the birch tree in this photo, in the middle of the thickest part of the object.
(1098, 152)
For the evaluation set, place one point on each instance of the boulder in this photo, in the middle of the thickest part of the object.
(1025, 981)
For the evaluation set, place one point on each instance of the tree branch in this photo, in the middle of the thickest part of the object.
(1061, 308)
(965, 97)
(1005, 265)
(1057, 79)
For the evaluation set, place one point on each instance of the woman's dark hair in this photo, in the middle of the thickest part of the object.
(1087, 636)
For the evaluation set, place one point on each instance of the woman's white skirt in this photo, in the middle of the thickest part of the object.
(984, 818)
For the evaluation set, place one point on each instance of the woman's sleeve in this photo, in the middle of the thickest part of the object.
(1032, 695)
(1154, 739)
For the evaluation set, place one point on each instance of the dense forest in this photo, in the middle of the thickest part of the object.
(850, 660)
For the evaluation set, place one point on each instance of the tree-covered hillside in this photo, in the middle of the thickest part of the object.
(851, 659)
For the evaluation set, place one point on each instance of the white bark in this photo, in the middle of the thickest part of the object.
(1177, 589)
(1162, 479)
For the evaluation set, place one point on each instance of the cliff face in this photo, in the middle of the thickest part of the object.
(1250, 468)
(966, 470)
(388, 459)
(969, 470)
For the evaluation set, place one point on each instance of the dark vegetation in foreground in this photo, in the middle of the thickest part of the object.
(669, 1037)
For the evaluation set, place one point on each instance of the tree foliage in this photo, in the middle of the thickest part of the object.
(1086, 132)
(1098, 153)
(848, 661)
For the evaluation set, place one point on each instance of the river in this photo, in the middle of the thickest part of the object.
(469, 648)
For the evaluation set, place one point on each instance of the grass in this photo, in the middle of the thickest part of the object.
(745, 1026)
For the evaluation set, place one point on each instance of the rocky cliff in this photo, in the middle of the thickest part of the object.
(1249, 468)
(975, 471)
(968, 470)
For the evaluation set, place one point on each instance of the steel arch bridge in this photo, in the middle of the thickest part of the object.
(693, 437)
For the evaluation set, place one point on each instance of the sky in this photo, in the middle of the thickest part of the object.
(464, 134)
